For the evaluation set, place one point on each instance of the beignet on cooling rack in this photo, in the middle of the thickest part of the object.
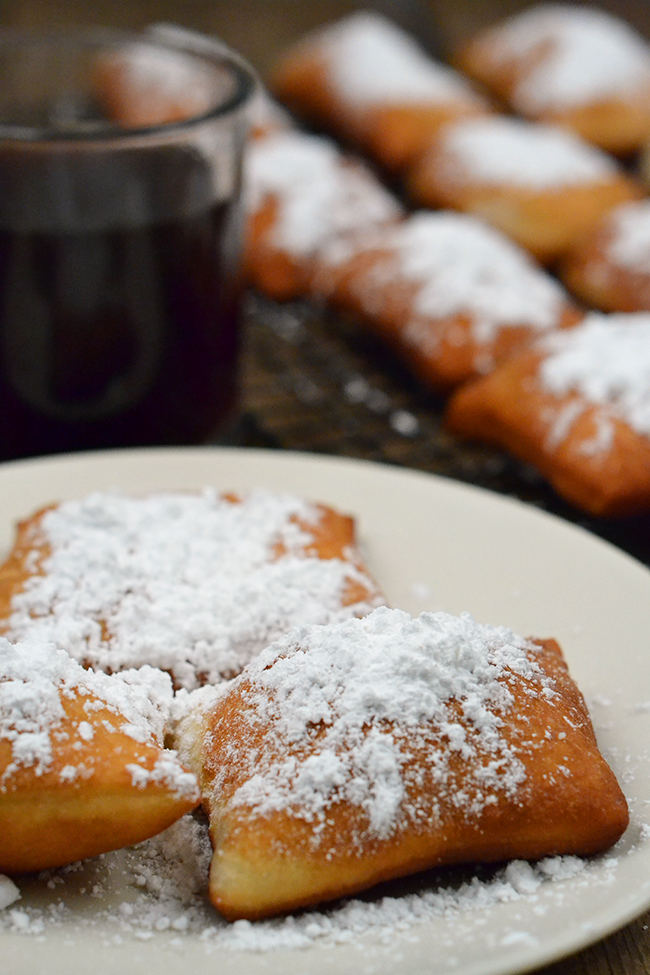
(450, 294)
(301, 192)
(366, 81)
(571, 65)
(538, 184)
(576, 406)
(609, 268)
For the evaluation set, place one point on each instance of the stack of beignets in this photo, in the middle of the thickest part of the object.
(576, 405)
(370, 83)
(82, 764)
(357, 752)
(450, 294)
(571, 65)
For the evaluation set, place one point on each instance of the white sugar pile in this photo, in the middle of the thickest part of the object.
(36, 681)
(461, 266)
(629, 245)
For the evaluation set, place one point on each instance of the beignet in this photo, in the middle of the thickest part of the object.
(354, 753)
(140, 85)
(577, 407)
(82, 764)
(449, 293)
(538, 184)
(610, 268)
(365, 80)
(572, 65)
(195, 584)
(300, 192)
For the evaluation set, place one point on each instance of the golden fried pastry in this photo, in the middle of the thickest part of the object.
(195, 584)
(365, 80)
(540, 185)
(577, 407)
(358, 752)
(570, 65)
(610, 267)
(449, 293)
(301, 192)
(140, 85)
(82, 765)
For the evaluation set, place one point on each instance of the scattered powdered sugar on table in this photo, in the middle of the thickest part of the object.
(349, 705)
(629, 244)
(369, 60)
(162, 883)
(502, 150)
(588, 55)
(606, 359)
(185, 582)
(319, 192)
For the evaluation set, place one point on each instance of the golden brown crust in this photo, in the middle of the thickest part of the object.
(510, 409)
(49, 820)
(569, 802)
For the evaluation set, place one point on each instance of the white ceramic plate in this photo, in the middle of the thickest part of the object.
(433, 544)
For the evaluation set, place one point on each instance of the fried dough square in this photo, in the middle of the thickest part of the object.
(540, 185)
(364, 79)
(577, 407)
(609, 268)
(450, 294)
(301, 192)
(354, 753)
(193, 583)
(568, 64)
(82, 764)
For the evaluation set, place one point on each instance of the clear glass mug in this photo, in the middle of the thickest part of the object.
(120, 227)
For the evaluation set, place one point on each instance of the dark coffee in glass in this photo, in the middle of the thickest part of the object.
(119, 246)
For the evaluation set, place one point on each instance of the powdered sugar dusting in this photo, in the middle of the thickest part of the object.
(371, 60)
(463, 267)
(588, 55)
(606, 359)
(37, 678)
(513, 152)
(318, 192)
(629, 244)
(187, 583)
(349, 703)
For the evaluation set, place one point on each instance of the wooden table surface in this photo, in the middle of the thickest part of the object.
(311, 383)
